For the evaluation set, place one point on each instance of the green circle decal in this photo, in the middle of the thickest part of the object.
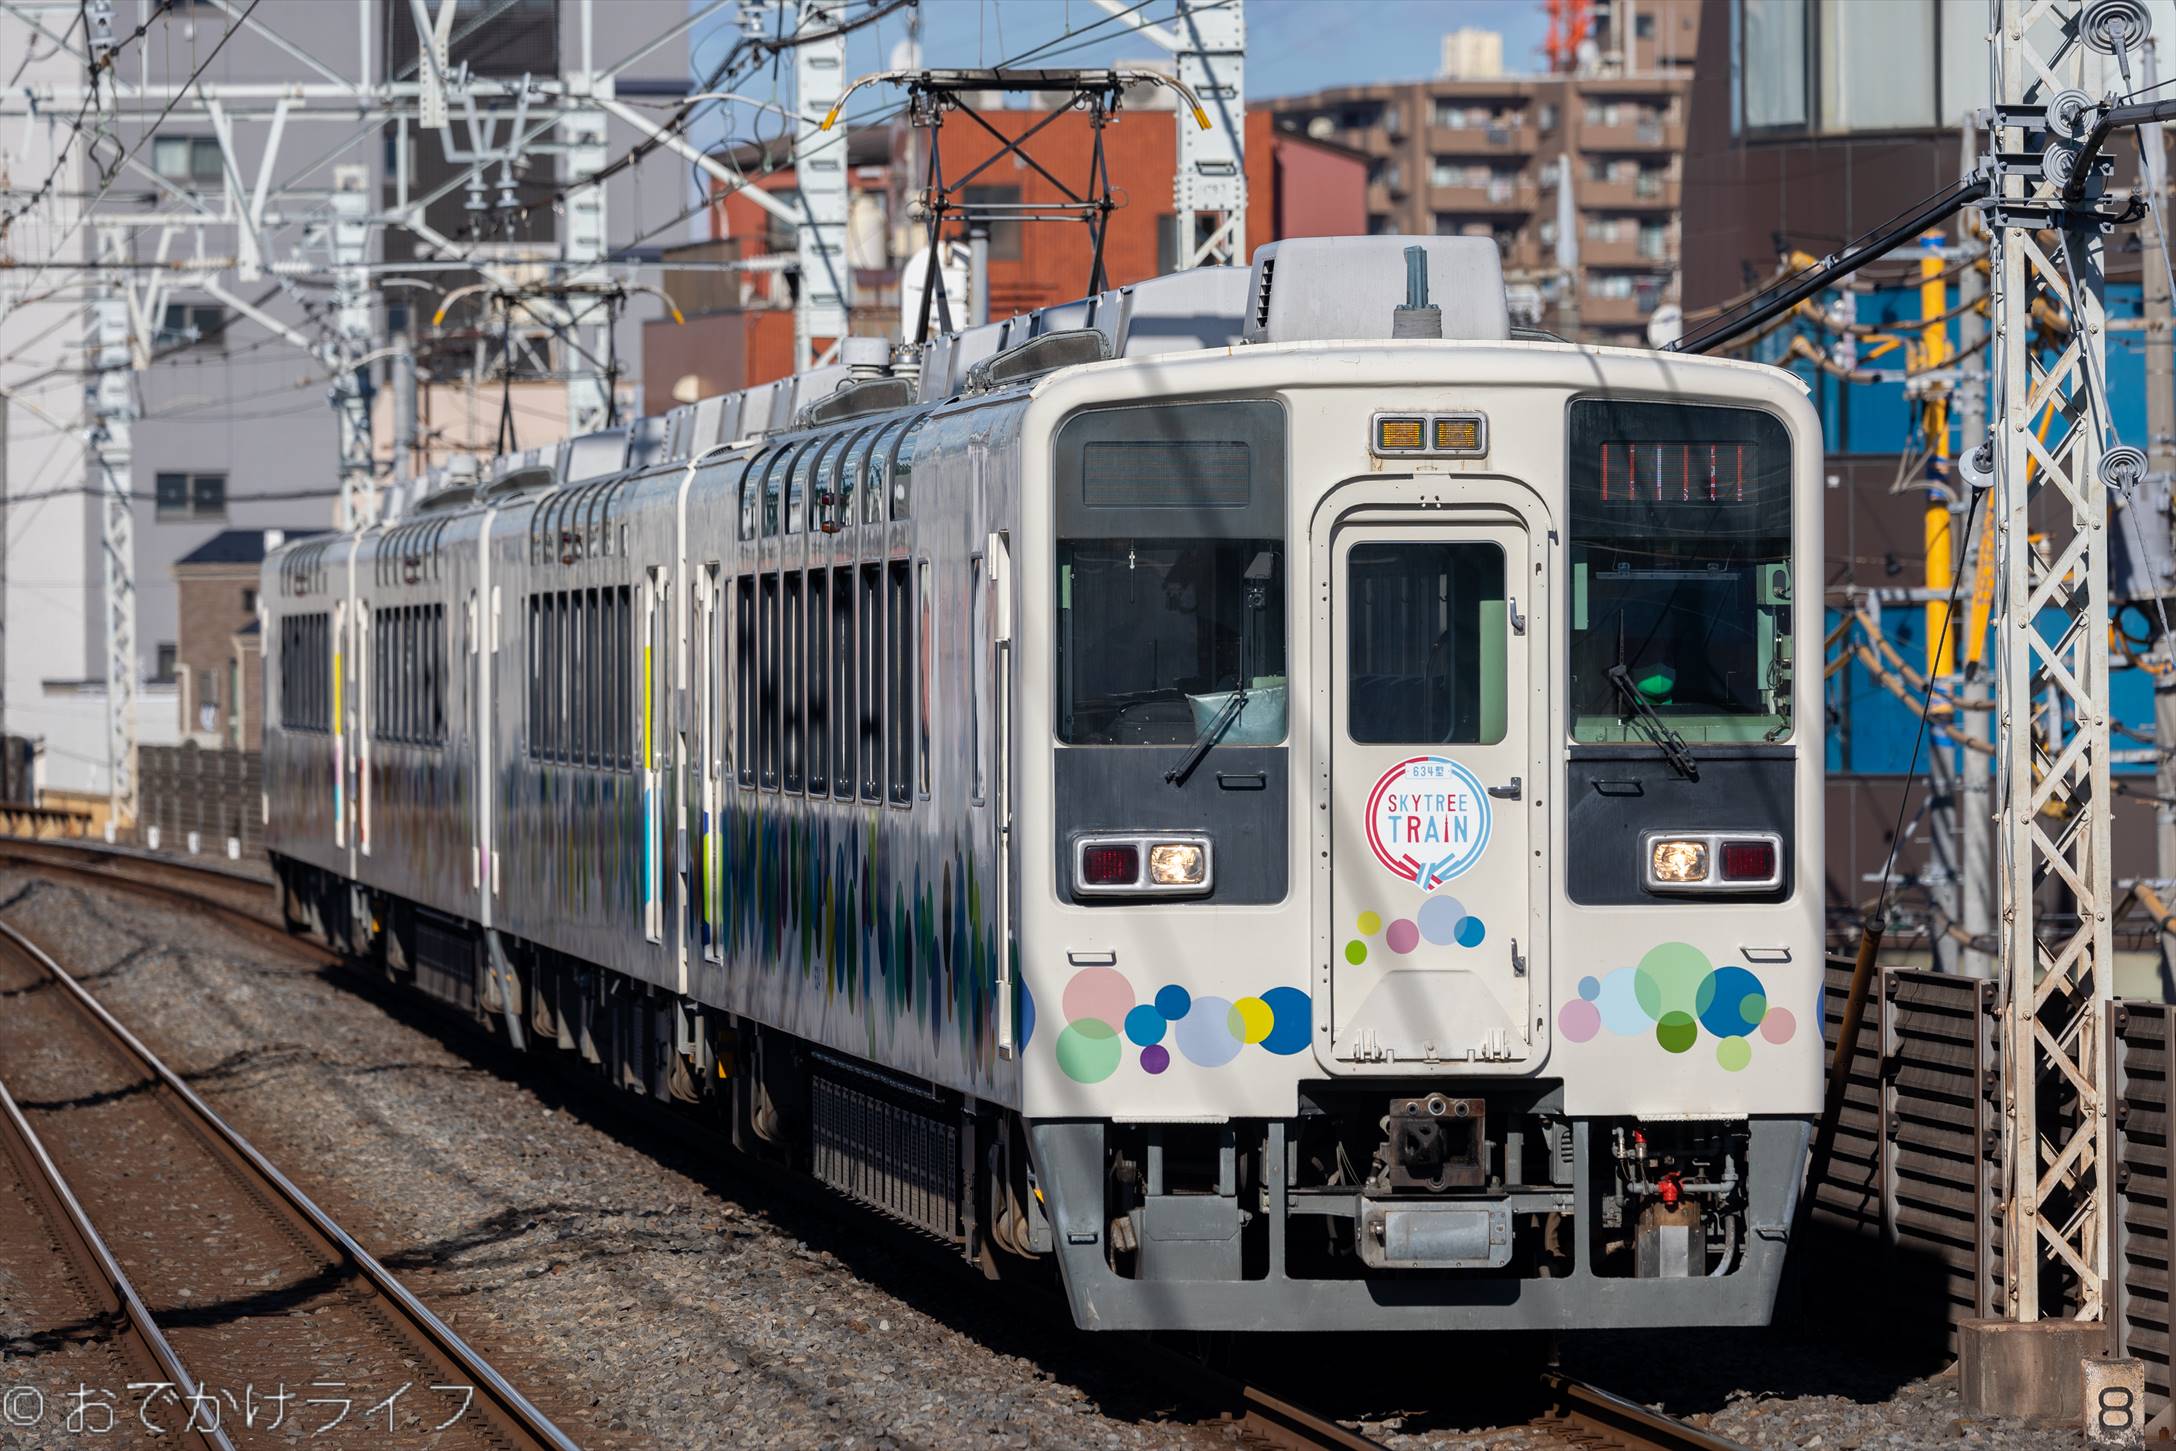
(1675, 1031)
(1089, 1050)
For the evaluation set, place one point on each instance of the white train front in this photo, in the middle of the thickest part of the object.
(1289, 826)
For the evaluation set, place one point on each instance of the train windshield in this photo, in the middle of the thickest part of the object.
(1680, 572)
(1171, 575)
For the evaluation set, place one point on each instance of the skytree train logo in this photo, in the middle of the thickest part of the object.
(1428, 820)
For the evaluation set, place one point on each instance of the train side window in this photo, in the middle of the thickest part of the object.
(751, 484)
(876, 476)
(791, 692)
(846, 509)
(774, 486)
(844, 723)
(902, 470)
(597, 680)
(562, 687)
(767, 686)
(978, 664)
(802, 485)
(536, 671)
(581, 699)
(899, 667)
(924, 694)
(623, 666)
(438, 674)
(872, 682)
(819, 682)
(744, 677)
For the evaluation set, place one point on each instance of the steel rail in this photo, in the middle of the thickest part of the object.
(504, 1406)
(65, 1214)
(1627, 1423)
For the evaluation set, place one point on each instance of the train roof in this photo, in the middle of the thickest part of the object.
(1308, 290)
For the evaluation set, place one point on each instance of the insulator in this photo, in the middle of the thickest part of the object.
(1977, 466)
(2115, 26)
(2121, 467)
(2070, 114)
(2059, 161)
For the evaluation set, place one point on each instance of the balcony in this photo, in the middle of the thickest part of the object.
(1515, 138)
(1496, 198)
(1650, 134)
(1614, 311)
(1646, 193)
(1626, 252)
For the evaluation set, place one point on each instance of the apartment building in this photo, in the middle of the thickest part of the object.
(1575, 174)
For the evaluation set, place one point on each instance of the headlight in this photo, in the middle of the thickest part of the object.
(1677, 861)
(1178, 864)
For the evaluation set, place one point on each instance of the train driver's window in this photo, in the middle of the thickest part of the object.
(1425, 639)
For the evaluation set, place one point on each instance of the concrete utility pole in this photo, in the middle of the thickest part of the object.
(2057, 972)
(820, 174)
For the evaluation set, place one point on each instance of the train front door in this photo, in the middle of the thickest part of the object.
(1433, 713)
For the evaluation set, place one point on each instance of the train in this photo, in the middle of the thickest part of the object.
(1272, 796)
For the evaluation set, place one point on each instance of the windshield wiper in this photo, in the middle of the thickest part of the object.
(1256, 579)
(1653, 726)
(1210, 735)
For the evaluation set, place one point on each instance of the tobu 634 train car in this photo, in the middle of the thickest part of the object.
(1285, 804)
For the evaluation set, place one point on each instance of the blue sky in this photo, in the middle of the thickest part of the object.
(1293, 46)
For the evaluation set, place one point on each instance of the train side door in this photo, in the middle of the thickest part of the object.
(1433, 725)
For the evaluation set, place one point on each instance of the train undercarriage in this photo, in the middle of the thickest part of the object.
(1421, 1204)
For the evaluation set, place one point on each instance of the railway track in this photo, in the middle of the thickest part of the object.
(1572, 1412)
(266, 1306)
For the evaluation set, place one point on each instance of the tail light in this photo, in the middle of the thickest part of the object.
(1711, 861)
(1159, 865)
(1110, 864)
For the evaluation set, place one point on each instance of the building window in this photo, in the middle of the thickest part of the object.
(1877, 66)
(191, 496)
(189, 324)
(249, 602)
(187, 161)
(166, 656)
(1772, 47)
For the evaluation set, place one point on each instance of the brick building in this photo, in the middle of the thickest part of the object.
(740, 328)
(1492, 156)
(217, 657)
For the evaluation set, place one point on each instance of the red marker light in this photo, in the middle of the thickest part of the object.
(1748, 861)
(1116, 865)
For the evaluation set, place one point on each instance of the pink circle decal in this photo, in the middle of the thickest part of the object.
(1098, 992)
(1778, 1026)
(1578, 1020)
(1401, 936)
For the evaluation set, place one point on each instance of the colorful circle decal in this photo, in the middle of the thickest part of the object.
(1104, 1018)
(1428, 820)
(1441, 922)
(1675, 995)
(1089, 1050)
